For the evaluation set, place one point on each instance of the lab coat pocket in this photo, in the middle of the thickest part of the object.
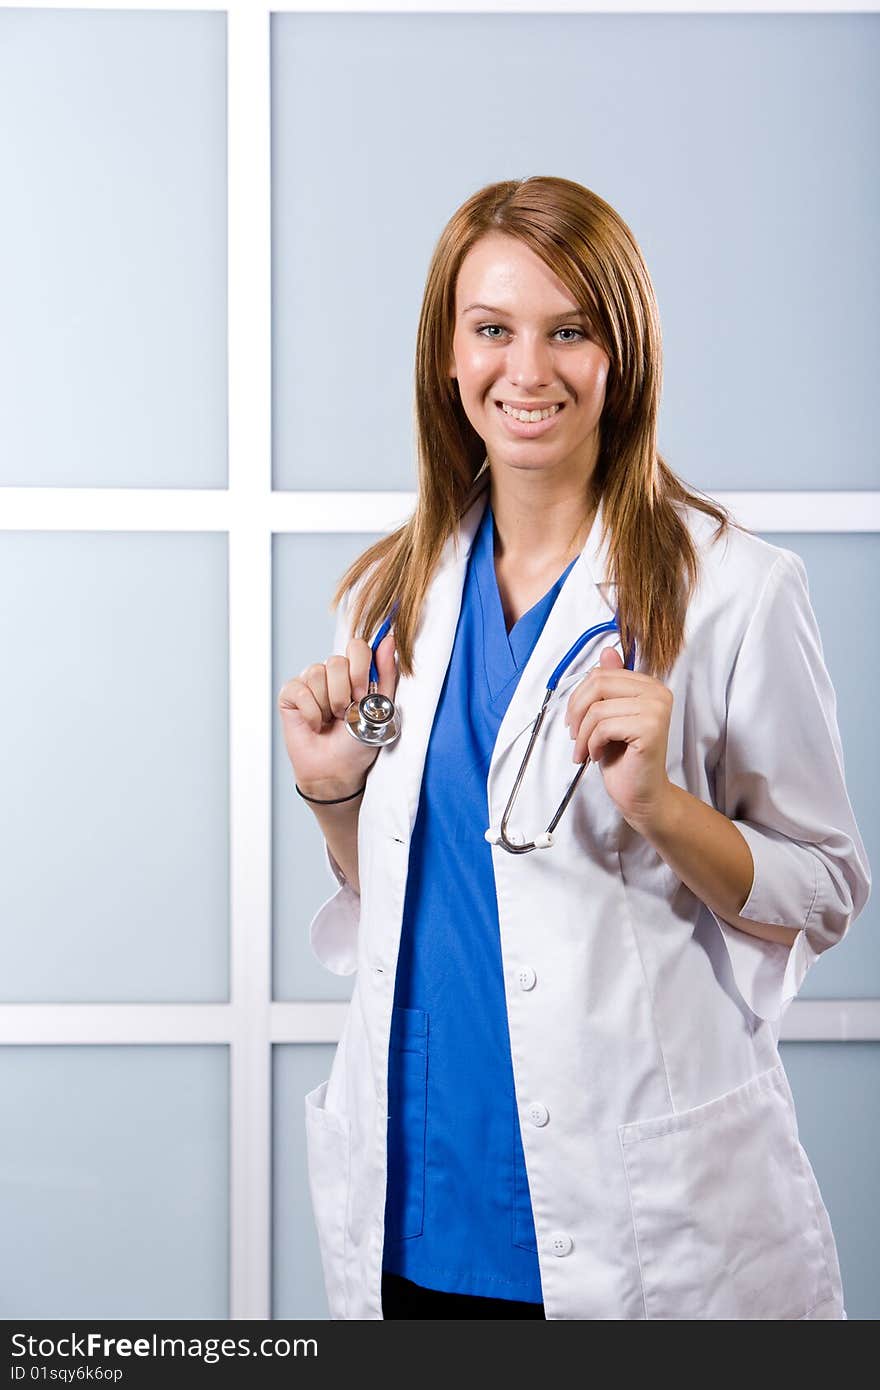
(523, 1220)
(328, 1147)
(407, 1120)
(723, 1209)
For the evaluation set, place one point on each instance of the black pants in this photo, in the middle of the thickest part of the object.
(401, 1298)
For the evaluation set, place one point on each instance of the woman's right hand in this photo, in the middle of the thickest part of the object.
(327, 762)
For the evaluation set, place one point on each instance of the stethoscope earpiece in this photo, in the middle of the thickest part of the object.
(494, 837)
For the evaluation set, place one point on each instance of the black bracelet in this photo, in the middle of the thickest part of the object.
(334, 801)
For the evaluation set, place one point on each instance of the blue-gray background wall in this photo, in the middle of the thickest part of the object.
(740, 149)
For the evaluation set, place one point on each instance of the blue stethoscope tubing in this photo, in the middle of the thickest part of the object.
(559, 671)
(497, 836)
(382, 633)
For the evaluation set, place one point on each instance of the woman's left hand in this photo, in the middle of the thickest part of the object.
(621, 719)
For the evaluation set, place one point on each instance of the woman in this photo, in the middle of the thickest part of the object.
(558, 1091)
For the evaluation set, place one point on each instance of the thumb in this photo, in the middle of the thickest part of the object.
(610, 659)
(386, 665)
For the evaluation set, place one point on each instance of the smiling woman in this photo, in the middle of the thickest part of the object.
(537, 296)
(550, 1056)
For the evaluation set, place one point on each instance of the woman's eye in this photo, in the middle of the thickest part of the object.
(486, 329)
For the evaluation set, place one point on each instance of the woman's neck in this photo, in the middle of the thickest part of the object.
(534, 536)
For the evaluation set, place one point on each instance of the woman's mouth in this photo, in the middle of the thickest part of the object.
(527, 424)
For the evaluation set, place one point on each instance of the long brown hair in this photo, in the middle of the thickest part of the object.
(595, 255)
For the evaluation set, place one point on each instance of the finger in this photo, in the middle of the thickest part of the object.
(582, 730)
(610, 659)
(601, 685)
(315, 678)
(597, 692)
(601, 709)
(348, 676)
(297, 697)
(624, 728)
(359, 657)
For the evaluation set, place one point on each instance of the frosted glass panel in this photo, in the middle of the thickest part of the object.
(836, 1088)
(297, 1282)
(306, 570)
(113, 242)
(740, 149)
(114, 739)
(843, 572)
(114, 1176)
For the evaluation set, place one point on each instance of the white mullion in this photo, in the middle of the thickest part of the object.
(831, 1020)
(792, 511)
(818, 512)
(250, 662)
(236, 7)
(321, 1021)
(114, 509)
(314, 1022)
(301, 513)
(250, 654)
(68, 1024)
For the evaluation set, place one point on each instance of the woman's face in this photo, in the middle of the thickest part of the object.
(520, 340)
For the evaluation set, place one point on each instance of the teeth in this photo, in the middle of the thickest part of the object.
(530, 415)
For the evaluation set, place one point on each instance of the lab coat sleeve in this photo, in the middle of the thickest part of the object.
(781, 781)
(333, 931)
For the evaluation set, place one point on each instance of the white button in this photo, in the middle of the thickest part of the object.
(560, 1243)
(538, 1113)
(526, 977)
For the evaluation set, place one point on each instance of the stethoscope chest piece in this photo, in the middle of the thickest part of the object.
(373, 720)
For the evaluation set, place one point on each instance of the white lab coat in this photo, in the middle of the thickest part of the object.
(669, 1180)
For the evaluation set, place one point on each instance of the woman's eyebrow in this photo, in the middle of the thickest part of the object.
(572, 313)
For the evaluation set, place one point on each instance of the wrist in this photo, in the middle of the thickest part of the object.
(331, 788)
(660, 818)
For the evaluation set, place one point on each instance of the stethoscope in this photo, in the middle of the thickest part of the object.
(375, 721)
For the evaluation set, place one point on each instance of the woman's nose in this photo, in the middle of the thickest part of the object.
(529, 362)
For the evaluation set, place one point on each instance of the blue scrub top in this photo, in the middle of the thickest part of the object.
(458, 1214)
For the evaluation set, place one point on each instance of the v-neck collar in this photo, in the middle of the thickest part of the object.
(506, 653)
(588, 596)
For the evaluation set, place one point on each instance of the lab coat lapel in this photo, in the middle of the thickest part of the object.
(586, 598)
(401, 765)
